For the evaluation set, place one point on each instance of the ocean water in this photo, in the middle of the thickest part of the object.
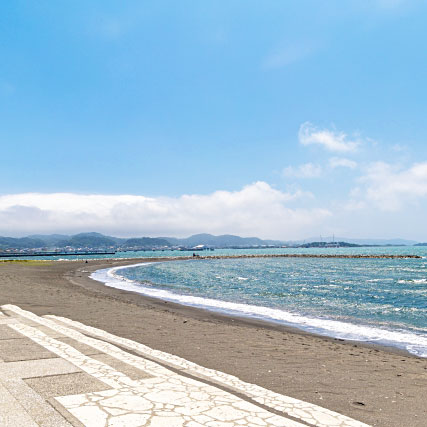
(382, 301)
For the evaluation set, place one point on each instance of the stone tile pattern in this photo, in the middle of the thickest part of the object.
(170, 401)
(11, 412)
(166, 398)
(20, 405)
(15, 350)
(307, 412)
(65, 384)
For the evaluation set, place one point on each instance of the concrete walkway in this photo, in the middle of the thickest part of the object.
(58, 372)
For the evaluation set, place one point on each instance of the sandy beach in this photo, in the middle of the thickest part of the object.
(379, 386)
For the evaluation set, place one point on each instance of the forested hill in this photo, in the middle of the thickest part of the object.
(97, 240)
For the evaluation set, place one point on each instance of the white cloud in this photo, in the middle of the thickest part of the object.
(330, 140)
(307, 170)
(257, 209)
(391, 188)
(335, 162)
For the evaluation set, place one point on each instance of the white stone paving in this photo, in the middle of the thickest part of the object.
(12, 413)
(167, 398)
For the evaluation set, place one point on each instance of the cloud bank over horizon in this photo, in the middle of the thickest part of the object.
(374, 197)
(256, 210)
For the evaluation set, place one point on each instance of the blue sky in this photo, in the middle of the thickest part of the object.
(274, 118)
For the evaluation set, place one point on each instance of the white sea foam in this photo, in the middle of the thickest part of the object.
(415, 281)
(412, 342)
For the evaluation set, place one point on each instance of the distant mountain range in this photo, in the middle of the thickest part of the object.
(21, 243)
(97, 240)
(100, 241)
(224, 241)
(82, 240)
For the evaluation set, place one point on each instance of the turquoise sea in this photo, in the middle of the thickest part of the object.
(376, 300)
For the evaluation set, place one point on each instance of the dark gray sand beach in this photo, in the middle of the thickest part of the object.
(379, 386)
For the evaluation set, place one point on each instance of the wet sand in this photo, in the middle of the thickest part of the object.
(378, 386)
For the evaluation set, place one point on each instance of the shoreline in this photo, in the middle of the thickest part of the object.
(374, 384)
(212, 306)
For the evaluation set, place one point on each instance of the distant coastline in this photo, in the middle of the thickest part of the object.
(58, 244)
